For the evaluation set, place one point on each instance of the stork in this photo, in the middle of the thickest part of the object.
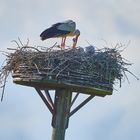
(63, 30)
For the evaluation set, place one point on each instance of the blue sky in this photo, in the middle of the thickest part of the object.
(23, 116)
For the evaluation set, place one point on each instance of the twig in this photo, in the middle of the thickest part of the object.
(27, 42)
(3, 88)
(131, 73)
(37, 68)
(61, 70)
(16, 43)
(20, 42)
(29, 47)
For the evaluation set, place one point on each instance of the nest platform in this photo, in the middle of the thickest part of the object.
(87, 71)
(78, 70)
(50, 82)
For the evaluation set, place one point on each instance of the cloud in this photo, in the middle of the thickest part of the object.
(113, 117)
(127, 28)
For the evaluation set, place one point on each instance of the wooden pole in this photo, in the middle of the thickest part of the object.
(62, 104)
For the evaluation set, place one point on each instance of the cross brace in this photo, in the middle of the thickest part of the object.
(49, 102)
(60, 109)
(81, 105)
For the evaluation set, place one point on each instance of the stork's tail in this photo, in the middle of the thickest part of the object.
(48, 33)
(52, 32)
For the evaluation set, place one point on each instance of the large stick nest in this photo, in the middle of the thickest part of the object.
(91, 66)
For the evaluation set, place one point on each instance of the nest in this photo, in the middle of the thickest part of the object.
(89, 66)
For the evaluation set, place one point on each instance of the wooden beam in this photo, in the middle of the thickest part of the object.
(81, 105)
(74, 99)
(49, 98)
(44, 100)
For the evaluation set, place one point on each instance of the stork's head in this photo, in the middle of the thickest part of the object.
(77, 32)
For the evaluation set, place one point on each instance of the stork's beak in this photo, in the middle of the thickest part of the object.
(41, 38)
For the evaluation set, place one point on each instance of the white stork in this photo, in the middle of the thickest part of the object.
(62, 29)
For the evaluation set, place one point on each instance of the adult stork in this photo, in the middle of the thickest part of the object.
(63, 30)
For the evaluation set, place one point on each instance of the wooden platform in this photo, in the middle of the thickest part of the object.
(48, 82)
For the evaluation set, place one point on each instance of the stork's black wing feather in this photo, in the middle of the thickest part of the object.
(53, 32)
(56, 24)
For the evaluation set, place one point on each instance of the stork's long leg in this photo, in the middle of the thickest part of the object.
(75, 42)
(63, 42)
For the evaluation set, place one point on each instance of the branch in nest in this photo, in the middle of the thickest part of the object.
(37, 68)
(16, 43)
(20, 42)
(3, 87)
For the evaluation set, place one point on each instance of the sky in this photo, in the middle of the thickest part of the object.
(23, 115)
